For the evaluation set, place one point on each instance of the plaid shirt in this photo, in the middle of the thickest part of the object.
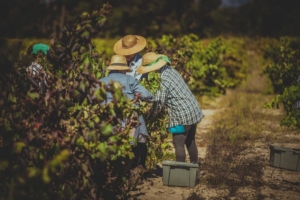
(39, 75)
(37, 72)
(183, 108)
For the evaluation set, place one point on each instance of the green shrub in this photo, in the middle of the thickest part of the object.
(284, 72)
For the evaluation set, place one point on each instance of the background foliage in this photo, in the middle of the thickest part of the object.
(66, 145)
(45, 18)
(74, 143)
(71, 146)
(284, 71)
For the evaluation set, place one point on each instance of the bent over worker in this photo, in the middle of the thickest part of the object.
(183, 108)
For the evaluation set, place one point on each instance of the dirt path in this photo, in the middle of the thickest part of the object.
(279, 183)
(153, 188)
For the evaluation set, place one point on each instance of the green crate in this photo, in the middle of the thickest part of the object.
(286, 158)
(179, 173)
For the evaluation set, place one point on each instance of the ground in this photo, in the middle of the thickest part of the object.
(274, 183)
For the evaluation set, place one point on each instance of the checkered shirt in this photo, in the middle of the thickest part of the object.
(182, 106)
(37, 72)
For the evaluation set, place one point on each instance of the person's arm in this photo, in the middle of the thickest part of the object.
(140, 91)
(159, 101)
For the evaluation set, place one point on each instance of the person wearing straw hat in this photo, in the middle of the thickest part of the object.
(118, 67)
(130, 46)
(183, 108)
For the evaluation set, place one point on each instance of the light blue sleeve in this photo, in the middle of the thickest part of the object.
(137, 88)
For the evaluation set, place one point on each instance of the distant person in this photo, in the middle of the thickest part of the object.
(39, 78)
(184, 112)
(130, 46)
(118, 68)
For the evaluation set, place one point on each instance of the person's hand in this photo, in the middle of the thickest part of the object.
(137, 95)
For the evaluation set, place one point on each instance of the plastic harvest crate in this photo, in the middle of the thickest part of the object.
(286, 158)
(179, 173)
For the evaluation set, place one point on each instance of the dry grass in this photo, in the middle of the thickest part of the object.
(236, 165)
(233, 142)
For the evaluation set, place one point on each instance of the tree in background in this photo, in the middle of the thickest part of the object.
(45, 18)
(271, 18)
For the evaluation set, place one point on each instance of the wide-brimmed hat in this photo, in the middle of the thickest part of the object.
(40, 47)
(151, 62)
(118, 62)
(130, 44)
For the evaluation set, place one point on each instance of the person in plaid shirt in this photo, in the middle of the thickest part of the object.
(183, 108)
(37, 71)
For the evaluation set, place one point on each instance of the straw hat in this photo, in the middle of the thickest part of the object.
(118, 62)
(151, 62)
(130, 44)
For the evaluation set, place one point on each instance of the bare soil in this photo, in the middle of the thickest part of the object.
(274, 183)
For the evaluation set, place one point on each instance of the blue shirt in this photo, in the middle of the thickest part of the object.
(130, 87)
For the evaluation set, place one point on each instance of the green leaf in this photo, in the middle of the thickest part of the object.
(85, 114)
(165, 145)
(45, 175)
(58, 159)
(79, 141)
(32, 171)
(113, 148)
(84, 167)
(18, 146)
(92, 145)
(33, 95)
(106, 130)
(12, 98)
(102, 147)
(113, 138)
(3, 165)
